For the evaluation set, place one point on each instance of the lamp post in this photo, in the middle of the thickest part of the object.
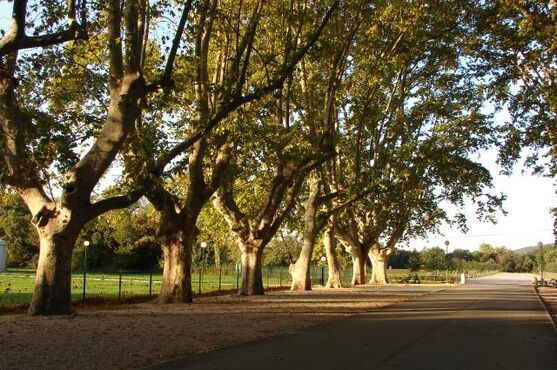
(323, 259)
(86, 243)
(540, 246)
(203, 245)
(447, 261)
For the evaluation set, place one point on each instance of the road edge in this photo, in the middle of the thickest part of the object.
(547, 310)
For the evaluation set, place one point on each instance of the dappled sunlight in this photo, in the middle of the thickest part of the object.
(146, 332)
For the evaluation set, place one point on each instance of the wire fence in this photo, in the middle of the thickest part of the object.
(16, 285)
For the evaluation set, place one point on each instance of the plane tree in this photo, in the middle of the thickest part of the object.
(516, 52)
(238, 57)
(286, 143)
(66, 113)
(415, 121)
(318, 102)
(517, 57)
(323, 190)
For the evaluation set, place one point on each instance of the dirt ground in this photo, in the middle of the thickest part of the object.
(141, 334)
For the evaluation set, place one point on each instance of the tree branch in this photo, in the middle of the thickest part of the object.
(166, 78)
(17, 40)
(116, 69)
(117, 202)
(237, 101)
(225, 204)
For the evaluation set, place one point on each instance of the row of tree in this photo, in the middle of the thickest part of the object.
(276, 120)
(487, 258)
(124, 239)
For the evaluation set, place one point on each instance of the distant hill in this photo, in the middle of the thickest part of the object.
(526, 250)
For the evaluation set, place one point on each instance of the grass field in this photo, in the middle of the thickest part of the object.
(16, 285)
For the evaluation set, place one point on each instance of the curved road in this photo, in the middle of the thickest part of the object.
(495, 322)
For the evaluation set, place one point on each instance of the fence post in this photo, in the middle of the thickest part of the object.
(151, 282)
(120, 285)
(220, 276)
(84, 270)
(280, 276)
(199, 285)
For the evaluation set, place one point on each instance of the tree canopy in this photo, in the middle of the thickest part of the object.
(261, 123)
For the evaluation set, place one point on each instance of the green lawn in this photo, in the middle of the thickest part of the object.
(16, 285)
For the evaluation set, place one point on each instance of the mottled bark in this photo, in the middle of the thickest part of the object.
(379, 258)
(333, 280)
(177, 240)
(178, 232)
(252, 277)
(52, 288)
(358, 267)
(255, 231)
(301, 269)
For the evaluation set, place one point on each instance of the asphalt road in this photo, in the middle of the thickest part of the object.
(492, 323)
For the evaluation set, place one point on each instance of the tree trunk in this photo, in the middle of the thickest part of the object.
(52, 290)
(333, 281)
(379, 259)
(358, 267)
(252, 277)
(300, 271)
(177, 237)
(217, 252)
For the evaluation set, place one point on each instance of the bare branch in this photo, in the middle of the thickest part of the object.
(17, 40)
(115, 44)
(134, 39)
(117, 202)
(247, 41)
(225, 204)
(167, 75)
(71, 11)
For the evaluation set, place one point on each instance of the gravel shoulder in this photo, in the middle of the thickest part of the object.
(141, 334)
(549, 296)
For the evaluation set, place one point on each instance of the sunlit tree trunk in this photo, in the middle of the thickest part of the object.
(333, 280)
(300, 271)
(352, 241)
(177, 232)
(252, 277)
(52, 287)
(358, 267)
(379, 259)
(177, 240)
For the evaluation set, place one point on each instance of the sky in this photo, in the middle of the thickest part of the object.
(527, 222)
